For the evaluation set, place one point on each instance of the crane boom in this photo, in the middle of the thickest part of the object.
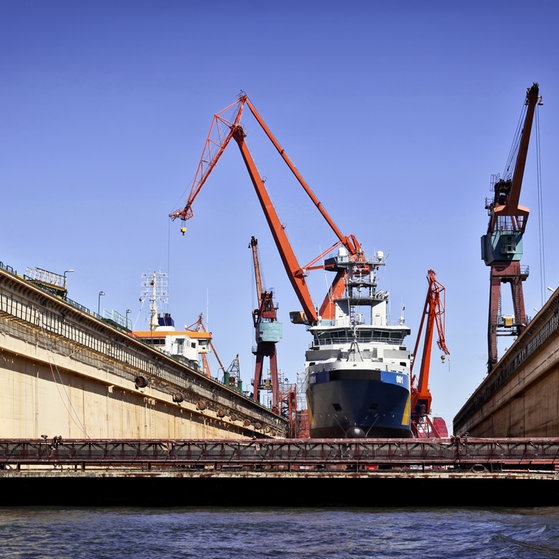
(256, 264)
(219, 136)
(221, 132)
(507, 192)
(295, 272)
(350, 242)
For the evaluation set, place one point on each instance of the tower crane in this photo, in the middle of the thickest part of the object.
(433, 315)
(221, 132)
(501, 246)
(268, 332)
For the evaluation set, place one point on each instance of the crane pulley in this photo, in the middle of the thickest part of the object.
(221, 132)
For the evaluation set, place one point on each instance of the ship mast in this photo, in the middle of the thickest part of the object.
(154, 290)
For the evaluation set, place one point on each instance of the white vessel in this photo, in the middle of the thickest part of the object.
(358, 368)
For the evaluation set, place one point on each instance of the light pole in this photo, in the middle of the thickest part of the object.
(101, 293)
(128, 311)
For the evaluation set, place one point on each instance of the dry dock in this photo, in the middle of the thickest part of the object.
(264, 472)
(67, 371)
(519, 397)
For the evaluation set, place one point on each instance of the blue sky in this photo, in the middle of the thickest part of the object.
(396, 114)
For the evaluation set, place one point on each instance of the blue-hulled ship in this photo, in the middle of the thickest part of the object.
(358, 368)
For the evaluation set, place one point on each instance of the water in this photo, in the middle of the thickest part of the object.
(214, 533)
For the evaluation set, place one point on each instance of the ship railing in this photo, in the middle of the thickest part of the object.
(379, 337)
(8, 268)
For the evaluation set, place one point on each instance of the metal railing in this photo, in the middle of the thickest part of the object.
(492, 455)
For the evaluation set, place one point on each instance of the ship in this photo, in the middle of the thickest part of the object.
(188, 346)
(357, 367)
(184, 345)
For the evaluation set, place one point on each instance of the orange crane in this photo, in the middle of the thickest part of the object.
(267, 332)
(198, 326)
(221, 132)
(433, 315)
(288, 408)
(501, 246)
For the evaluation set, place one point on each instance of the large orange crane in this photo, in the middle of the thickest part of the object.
(501, 246)
(221, 132)
(433, 316)
(267, 332)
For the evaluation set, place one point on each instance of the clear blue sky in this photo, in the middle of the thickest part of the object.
(396, 114)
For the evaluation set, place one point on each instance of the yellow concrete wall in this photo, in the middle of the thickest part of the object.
(526, 405)
(64, 371)
(39, 399)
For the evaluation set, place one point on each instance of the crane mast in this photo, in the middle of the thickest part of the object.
(268, 332)
(221, 132)
(501, 246)
(433, 316)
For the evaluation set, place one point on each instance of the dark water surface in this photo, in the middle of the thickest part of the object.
(214, 533)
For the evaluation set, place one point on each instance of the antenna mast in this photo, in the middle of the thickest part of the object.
(154, 290)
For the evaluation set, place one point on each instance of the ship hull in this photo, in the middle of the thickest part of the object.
(352, 403)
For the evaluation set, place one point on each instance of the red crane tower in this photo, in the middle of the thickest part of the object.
(268, 332)
(433, 315)
(501, 246)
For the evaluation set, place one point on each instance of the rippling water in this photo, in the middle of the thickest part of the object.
(287, 533)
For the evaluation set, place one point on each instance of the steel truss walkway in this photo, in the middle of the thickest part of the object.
(459, 454)
(284, 473)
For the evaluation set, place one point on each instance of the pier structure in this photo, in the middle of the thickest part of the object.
(68, 372)
(287, 472)
(520, 396)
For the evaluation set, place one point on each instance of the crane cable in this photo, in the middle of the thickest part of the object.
(513, 152)
(169, 221)
(508, 174)
(541, 236)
